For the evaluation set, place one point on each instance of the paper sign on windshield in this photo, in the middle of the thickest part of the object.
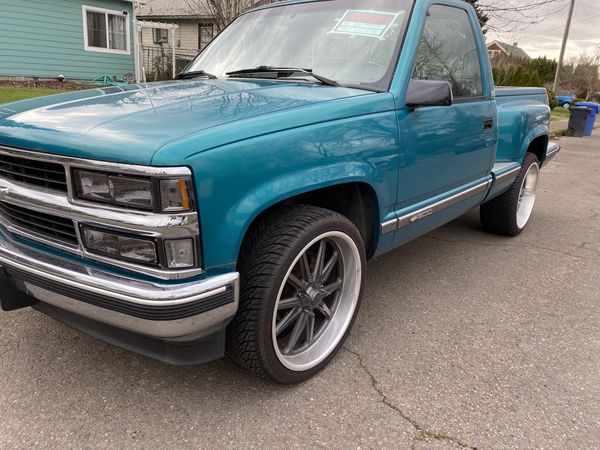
(365, 23)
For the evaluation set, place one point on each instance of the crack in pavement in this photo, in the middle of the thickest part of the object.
(524, 244)
(586, 246)
(423, 434)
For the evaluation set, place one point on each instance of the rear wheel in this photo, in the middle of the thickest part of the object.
(566, 105)
(302, 273)
(509, 213)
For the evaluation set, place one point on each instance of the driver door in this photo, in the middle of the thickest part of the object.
(446, 150)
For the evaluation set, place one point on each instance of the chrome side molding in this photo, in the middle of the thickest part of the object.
(422, 213)
(551, 152)
(510, 174)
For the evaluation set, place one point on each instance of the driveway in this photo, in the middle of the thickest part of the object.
(465, 339)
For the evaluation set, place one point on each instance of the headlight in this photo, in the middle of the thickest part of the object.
(119, 246)
(178, 253)
(114, 189)
(163, 195)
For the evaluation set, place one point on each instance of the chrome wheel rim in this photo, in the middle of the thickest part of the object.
(527, 195)
(316, 301)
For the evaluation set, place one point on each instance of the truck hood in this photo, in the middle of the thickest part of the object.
(130, 124)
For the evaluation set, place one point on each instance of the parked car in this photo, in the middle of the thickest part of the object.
(565, 101)
(241, 202)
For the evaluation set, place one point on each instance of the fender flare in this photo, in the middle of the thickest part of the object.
(537, 132)
(242, 215)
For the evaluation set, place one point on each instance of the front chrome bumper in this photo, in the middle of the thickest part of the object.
(174, 312)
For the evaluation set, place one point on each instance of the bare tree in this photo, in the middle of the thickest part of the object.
(507, 16)
(581, 75)
(503, 16)
(222, 11)
(586, 74)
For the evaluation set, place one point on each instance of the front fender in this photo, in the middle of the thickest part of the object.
(240, 217)
(237, 182)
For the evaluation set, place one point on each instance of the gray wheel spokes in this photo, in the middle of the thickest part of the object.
(287, 320)
(319, 263)
(333, 287)
(297, 282)
(306, 276)
(324, 309)
(299, 328)
(316, 300)
(296, 333)
(329, 267)
(310, 328)
(287, 303)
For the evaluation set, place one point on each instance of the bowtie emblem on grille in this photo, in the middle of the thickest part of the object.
(3, 192)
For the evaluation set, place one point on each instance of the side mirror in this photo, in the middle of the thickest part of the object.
(428, 93)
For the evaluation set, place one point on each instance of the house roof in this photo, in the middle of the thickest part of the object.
(172, 9)
(512, 50)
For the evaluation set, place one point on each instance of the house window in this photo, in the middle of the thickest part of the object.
(161, 36)
(105, 30)
(206, 33)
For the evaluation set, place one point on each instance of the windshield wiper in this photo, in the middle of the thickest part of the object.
(194, 74)
(283, 70)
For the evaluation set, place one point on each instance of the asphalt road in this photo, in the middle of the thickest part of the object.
(464, 340)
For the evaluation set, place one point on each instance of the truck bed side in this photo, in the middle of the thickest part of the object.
(523, 123)
(523, 115)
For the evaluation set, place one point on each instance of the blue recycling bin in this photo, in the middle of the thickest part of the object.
(594, 111)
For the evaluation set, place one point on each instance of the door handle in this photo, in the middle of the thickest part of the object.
(488, 124)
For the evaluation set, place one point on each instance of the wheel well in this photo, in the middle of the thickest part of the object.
(355, 201)
(538, 147)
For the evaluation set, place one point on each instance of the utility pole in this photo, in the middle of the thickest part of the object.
(564, 46)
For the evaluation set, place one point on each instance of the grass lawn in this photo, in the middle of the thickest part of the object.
(560, 113)
(10, 94)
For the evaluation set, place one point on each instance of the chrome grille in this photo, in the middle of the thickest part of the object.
(35, 172)
(47, 225)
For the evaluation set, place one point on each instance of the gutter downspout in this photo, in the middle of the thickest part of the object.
(174, 62)
(136, 44)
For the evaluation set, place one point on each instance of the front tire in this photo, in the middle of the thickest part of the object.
(302, 275)
(509, 213)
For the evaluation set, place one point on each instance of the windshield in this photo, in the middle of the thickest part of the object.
(354, 42)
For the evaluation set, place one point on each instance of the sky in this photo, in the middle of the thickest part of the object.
(544, 38)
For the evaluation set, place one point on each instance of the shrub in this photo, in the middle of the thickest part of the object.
(516, 76)
(552, 100)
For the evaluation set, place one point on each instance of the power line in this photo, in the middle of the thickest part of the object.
(554, 28)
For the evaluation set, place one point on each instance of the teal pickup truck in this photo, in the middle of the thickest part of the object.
(233, 209)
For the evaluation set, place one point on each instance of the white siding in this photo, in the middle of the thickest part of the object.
(186, 37)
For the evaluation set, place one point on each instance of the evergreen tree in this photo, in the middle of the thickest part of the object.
(545, 68)
(483, 18)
